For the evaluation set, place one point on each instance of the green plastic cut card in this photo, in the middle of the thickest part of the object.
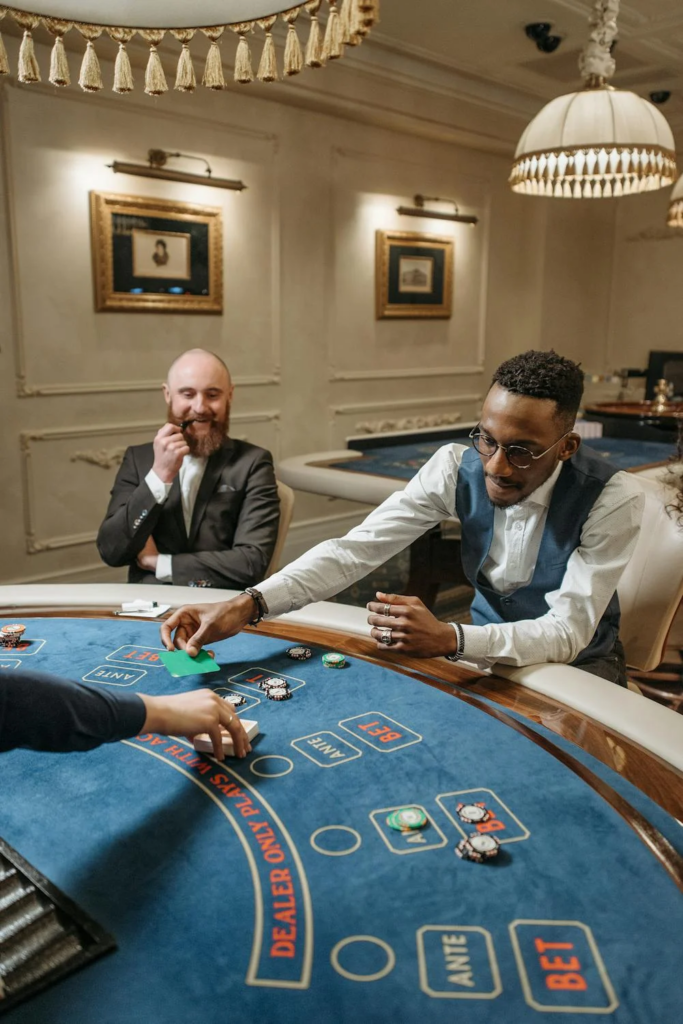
(179, 663)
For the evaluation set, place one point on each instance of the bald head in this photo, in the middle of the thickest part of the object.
(198, 361)
(198, 393)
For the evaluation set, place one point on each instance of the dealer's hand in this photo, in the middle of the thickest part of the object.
(200, 624)
(170, 448)
(189, 714)
(147, 558)
(414, 630)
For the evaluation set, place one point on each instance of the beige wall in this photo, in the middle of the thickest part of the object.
(299, 332)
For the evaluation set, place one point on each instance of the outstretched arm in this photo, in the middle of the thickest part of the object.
(195, 625)
(45, 712)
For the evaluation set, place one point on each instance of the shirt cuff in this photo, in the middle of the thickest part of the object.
(159, 489)
(476, 644)
(276, 595)
(164, 570)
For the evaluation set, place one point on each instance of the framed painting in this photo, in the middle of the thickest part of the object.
(156, 255)
(413, 275)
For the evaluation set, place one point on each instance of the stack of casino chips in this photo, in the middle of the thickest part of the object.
(406, 819)
(299, 653)
(478, 847)
(276, 688)
(10, 635)
(236, 699)
(334, 660)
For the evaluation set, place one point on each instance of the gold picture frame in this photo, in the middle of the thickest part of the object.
(413, 275)
(156, 255)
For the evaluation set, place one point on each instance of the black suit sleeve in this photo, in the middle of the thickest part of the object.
(245, 563)
(44, 712)
(131, 517)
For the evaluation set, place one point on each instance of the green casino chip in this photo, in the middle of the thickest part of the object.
(334, 660)
(405, 819)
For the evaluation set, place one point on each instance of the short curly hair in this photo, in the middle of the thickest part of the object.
(544, 375)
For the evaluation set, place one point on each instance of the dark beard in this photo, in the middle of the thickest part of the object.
(203, 447)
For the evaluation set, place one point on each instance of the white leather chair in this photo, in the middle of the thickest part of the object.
(286, 496)
(651, 588)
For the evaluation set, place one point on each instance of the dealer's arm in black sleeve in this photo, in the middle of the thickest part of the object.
(45, 712)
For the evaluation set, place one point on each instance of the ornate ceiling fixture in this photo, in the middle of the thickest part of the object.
(675, 218)
(600, 142)
(347, 23)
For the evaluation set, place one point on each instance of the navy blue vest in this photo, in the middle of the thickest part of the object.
(581, 480)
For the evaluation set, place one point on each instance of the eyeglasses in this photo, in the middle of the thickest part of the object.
(517, 456)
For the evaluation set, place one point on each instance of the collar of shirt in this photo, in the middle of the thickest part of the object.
(193, 464)
(543, 494)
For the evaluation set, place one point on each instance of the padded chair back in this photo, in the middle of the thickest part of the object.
(286, 496)
(651, 589)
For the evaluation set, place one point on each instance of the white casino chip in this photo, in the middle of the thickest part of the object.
(483, 843)
(473, 813)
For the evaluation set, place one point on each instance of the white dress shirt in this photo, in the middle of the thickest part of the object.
(574, 610)
(191, 473)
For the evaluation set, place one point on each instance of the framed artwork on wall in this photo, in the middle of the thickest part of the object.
(413, 275)
(156, 255)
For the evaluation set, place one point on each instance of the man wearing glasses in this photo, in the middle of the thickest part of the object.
(547, 530)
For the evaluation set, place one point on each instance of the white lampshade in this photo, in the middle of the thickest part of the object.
(597, 143)
(345, 23)
(675, 218)
(157, 13)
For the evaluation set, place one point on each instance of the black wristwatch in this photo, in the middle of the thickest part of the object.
(460, 634)
(260, 602)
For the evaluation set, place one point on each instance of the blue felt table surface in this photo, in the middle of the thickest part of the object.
(402, 461)
(175, 855)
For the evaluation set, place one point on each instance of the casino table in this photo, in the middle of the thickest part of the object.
(371, 468)
(638, 420)
(272, 888)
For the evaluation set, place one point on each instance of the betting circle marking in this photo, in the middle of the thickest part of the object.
(387, 969)
(271, 775)
(336, 828)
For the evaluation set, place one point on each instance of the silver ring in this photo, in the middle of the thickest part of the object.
(385, 637)
(386, 610)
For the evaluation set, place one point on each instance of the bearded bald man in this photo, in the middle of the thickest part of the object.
(194, 507)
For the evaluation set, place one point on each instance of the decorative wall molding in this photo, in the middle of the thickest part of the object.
(418, 420)
(105, 458)
(403, 374)
(26, 389)
(443, 419)
(655, 234)
(28, 438)
(351, 408)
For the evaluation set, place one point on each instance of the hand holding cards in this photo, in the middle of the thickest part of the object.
(204, 744)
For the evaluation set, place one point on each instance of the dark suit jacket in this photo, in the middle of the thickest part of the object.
(234, 523)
